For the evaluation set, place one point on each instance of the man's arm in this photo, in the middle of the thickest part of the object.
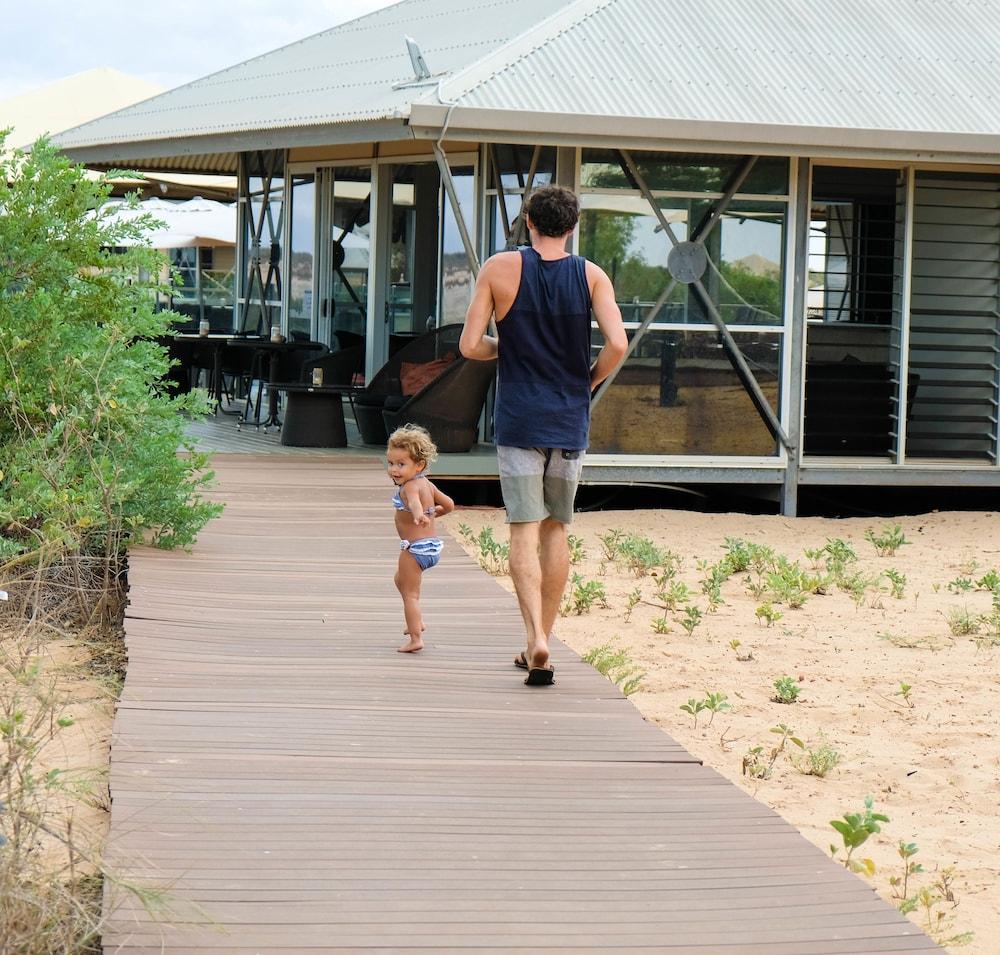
(609, 320)
(475, 343)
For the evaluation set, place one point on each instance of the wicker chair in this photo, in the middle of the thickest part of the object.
(386, 383)
(449, 407)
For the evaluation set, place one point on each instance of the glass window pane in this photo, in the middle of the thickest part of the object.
(515, 161)
(683, 172)
(679, 394)
(302, 256)
(349, 257)
(456, 275)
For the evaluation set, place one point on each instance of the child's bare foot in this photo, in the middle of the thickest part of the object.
(411, 646)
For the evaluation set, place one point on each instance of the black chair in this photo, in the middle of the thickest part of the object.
(449, 407)
(368, 405)
(288, 368)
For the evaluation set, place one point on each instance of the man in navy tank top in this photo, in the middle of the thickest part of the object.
(542, 299)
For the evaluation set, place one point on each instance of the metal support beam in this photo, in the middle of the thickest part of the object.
(737, 179)
(796, 342)
(491, 151)
(637, 177)
(456, 208)
(517, 229)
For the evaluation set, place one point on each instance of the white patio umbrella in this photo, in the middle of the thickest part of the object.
(194, 223)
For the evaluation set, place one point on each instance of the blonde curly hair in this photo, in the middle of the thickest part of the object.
(415, 441)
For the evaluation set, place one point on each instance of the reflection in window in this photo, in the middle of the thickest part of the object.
(683, 172)
(620, 233)
(679, 394)
(345, 308)
(456, 274)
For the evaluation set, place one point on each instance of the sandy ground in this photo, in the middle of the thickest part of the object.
(78, 751)
(931, 767)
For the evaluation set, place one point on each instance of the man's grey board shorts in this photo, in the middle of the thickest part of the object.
(538, 483)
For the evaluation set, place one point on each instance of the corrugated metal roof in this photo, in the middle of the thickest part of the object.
(916, 65)
(342, 75)
(909, 75)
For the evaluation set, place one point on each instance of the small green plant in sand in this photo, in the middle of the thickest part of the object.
(691, 619)
(615, 663)
(905, 691)
(711, 586)
(855, 828)
(758, 763)
(817, 760)
(838, 554)
(493, 555)
(611, 545)
(962, 622)
(744, 656)
(716, 703)
(786, 690)
(889, 541)
(671, 594)
(577, 552)
(897, 582)
(713, 702)
(790, 584)
(632, 600)
(583, 595)
(900, 883)
(661, 624)
(767, 614)
(694, 707)
(989, 581)
(641, 556)
(961, 585)
(937, 903)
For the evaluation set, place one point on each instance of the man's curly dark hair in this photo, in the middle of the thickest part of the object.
(553, 210)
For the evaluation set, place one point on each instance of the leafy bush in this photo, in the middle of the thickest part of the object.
(88, 433)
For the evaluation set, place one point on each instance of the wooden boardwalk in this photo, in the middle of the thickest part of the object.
(297, 786)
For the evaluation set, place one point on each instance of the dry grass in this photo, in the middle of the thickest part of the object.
(61, 663)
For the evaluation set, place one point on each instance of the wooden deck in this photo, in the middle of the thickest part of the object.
(297, 786)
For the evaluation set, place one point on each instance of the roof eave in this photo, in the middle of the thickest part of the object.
(574, 129)
(177, 154)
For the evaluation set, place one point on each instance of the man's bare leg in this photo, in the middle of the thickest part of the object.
(526, 572)
(553, 554)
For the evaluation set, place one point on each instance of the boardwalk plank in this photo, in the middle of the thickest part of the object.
(301, 787)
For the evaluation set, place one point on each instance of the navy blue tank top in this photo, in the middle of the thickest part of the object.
(543, 390)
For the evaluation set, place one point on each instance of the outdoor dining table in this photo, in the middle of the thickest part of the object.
(264, 347)
(216, 342)
(314, 415)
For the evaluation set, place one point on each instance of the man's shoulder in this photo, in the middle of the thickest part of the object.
(501, 261)
(503, 271)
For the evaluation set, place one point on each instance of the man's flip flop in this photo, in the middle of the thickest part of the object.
(540, 676)
(521, 661)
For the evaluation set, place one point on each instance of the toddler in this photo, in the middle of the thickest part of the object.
(417, 503)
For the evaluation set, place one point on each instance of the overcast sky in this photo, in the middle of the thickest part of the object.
(169, 43)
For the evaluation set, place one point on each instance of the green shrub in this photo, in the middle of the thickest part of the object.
(88, 433)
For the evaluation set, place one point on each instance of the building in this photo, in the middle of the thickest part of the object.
(798, 202)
